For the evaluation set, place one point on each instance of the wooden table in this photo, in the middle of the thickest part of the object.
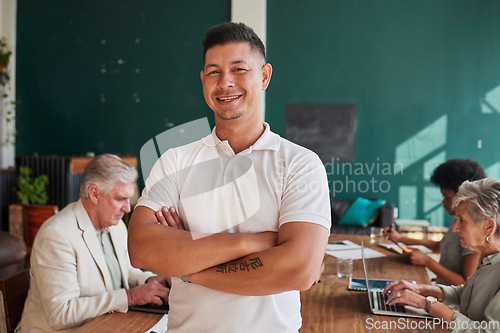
(329, 307)
(326, 307)
(130, 322)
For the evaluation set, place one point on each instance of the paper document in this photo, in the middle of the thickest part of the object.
(355, 253)
(160, 326)
(395, 248)
(342, 245)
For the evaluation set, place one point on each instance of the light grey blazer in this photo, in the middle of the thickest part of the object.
(70, 281)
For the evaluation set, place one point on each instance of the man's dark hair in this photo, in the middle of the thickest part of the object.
(232, 32)
(452, 173)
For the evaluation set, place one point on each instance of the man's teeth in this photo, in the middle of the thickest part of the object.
(225, 99)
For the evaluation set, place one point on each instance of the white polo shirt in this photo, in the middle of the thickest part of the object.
(271, 183)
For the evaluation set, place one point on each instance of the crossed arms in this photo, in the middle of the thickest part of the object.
(238, 263)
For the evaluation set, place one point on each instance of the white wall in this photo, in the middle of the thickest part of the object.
(254, 14)
(8, 10)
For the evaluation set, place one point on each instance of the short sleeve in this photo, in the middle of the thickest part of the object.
(306, 197)
(161, 186)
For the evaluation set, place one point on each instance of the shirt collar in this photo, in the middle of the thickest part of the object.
(492, 259)
(104, 231)
(267, 141)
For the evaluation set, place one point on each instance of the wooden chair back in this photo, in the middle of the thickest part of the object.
(13, 293)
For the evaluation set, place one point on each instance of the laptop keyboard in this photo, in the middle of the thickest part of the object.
(379, 302)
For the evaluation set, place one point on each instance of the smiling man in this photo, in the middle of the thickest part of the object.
(253, 208)
(80, 267)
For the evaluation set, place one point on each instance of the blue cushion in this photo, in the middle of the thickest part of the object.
(361, 212)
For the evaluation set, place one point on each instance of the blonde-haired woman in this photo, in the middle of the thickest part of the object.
(477, 302)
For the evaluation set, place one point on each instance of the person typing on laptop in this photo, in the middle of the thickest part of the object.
(477, 207)
(80, 268)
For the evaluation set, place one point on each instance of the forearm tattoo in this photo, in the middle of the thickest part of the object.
(244, 266)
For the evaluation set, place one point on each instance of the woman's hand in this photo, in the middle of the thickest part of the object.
(393, 234)
(406, 297)
(416, 257)
(402, 285)
(405, 293)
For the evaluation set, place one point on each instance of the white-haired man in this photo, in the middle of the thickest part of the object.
(80, 267)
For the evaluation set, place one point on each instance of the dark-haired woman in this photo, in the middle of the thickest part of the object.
(456, 263)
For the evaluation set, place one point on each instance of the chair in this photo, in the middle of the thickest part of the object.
(12, 254)
(339, 207)
(13, 293)
(34, 217)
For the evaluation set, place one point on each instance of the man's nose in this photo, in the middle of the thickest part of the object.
(226, 80)
(126, 206)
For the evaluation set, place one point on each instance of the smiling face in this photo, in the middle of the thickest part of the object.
(448, 196)
(233, 79)
(471, 234)
(111, 207)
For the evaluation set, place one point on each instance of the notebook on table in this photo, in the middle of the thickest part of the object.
(378, 300)
(398, 248)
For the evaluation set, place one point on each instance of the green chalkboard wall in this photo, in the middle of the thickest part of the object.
(425, 76)
(106, 76)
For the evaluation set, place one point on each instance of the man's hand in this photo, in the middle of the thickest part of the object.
(153, 291)
(169, 217)
(149, 239)
(163, 280)
(292, 265)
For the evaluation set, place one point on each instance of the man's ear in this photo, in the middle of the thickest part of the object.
(202, 76)
(94, 193)
(267, 71)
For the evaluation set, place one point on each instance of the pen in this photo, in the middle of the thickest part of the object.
(403, 248)
(389, 230)
(393, 224)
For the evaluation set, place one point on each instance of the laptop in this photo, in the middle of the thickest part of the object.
(151, 308)
(378, 300)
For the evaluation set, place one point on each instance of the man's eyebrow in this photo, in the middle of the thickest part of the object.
(210, 66)
(232, 63)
